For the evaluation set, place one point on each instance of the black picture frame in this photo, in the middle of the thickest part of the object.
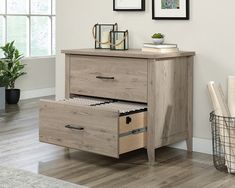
(141, 9)
(187, 16)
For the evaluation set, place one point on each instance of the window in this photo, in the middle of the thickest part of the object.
(31, 24)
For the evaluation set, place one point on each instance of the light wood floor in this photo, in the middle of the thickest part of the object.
(20, 148)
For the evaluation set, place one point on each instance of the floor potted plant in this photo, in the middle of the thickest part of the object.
(12, 69)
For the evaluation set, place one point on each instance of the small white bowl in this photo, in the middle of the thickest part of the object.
(158, 41)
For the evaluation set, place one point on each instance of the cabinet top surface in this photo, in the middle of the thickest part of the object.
(132, 53)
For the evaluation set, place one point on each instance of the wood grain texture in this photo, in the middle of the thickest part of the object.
(190, 104)
(100, 127)
(152, 110)
(129, 77)
(132, 53)
(20, 148)
(67, 75)
(168, 106)
(138, 120)
(132, 142)
(164, 81)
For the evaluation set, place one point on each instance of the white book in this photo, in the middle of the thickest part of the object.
(160, 46)
(164, 50)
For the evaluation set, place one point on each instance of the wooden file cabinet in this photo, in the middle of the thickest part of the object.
(161, 82)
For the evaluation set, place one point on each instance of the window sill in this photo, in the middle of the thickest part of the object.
(40, 59)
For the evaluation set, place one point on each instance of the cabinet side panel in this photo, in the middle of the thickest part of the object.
(67, 76)
(168, 100)
(151, 124)
(190, 103)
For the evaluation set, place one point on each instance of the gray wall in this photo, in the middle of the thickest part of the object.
(39, 79)
(209, 32)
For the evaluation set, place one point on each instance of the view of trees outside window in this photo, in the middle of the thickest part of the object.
(31, 24)
(17, 29)
(2, 31)
(41, 36)
(17, 6)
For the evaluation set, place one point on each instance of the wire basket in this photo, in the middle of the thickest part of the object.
(223, 136)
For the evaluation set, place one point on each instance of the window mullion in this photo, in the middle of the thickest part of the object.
(29, 35)
(51, 28)
(5, 21)
(29, 19)
(51, 34)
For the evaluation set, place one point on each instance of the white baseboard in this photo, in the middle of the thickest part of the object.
(199, 145)
(37, 93)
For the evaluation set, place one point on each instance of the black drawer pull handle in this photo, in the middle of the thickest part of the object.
(128, 120)
(135, 131)
(76, 128)
(105, 78)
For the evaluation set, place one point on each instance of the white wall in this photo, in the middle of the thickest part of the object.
(210, 32)
(40, 78)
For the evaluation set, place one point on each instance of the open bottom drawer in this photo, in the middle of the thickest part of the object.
(99, 126)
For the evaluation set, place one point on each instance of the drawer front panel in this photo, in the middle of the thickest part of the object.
(79, 127)
(116, 78)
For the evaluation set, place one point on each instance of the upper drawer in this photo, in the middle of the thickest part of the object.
(116, 78)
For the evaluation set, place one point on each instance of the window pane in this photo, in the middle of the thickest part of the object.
(41, 6)
(17, 30)
(53, 36)
(17, 6)
(41, 36)
(2, 31)
(2, 6)
(53, 7)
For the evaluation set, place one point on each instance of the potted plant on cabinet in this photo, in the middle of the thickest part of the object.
(12, 70)
(158, 38)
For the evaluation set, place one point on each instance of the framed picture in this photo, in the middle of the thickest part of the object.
(128, 5)
(170, 9)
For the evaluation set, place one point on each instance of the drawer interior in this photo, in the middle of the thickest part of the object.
(132, 120)
(123, 107)
(130, 126)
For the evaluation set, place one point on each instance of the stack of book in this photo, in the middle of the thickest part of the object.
(160, 48)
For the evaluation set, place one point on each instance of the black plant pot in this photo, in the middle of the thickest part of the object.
(12, 96)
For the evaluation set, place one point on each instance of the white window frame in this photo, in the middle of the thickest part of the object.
(29, 16)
